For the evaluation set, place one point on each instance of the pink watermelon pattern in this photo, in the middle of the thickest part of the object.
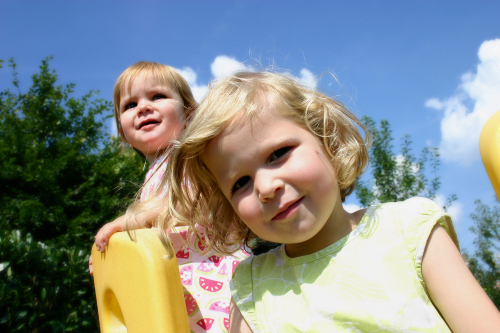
(220, 305)
(205, 323)
(182, 254)
(191, 305)
(200, 244)
(183, 234)
(224, 324)
(210, 286)
(223, 271)
(205, 280)
(186, 273)
(235, 263)
(216, 260)
(204, 268)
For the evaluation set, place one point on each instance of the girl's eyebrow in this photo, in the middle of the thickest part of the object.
(228, 179)
(276, 143)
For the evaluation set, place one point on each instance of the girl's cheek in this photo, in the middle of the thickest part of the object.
(246, 209)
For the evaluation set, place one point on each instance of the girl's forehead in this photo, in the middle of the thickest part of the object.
(149, 78)
(255, 119)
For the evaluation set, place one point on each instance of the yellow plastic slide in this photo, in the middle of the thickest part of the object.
(489, 144)
(137, 289)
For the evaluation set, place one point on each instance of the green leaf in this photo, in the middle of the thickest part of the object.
(4, 265)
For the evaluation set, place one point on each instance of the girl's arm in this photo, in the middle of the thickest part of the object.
(143, 220)
(237, 323)
(454, 290)
(102, 238)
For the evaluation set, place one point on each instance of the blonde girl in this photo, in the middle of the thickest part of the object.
(266, 157)
(152, 104)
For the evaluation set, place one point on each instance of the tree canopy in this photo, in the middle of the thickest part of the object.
(397, 177)
(484, 264)
(63, 177)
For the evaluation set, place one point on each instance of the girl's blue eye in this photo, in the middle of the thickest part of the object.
(279, 153)
(240, 183)
(130, 105)
(159, 96)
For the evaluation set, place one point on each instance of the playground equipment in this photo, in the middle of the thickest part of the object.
(489, 144)
(137, 289)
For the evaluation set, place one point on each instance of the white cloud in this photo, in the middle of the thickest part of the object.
(113, 129)
(400, 160)
(199, 91)
(460, 126)
(455, 210)
(307, 78)
(351, 208)
(223, 66)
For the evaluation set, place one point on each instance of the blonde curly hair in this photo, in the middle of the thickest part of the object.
(193, 188)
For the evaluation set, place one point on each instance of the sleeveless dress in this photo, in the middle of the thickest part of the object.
(205, 278)
(368, 281)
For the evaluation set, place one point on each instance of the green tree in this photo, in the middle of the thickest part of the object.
(62, 178)
(397, 177)
(485, 262)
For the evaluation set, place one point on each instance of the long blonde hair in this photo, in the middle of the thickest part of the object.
(191, 186)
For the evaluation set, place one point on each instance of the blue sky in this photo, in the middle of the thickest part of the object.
(432, 68)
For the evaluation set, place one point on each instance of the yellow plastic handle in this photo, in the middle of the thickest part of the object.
(489, 144)
(137, 289)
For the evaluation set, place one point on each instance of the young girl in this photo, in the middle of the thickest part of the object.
(265, 157)
(152, 104)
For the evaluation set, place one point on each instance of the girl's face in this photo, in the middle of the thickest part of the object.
(151, 115)
(279, 180)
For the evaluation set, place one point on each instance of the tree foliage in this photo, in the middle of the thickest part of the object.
(63, 177)
(44, 288)
(485, 262)
(397, 177)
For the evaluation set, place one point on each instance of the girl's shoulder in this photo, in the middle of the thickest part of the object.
(412, 213)
(410, 207)
(415, 219)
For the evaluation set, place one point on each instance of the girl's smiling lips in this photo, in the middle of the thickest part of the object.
(287, 210)
(148, 122)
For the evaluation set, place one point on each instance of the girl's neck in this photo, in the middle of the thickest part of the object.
(153, 156)
(347, 222)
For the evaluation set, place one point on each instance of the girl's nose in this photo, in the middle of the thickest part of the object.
(145, 106)
(268, 186)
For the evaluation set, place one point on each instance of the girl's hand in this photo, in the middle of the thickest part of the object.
(454, 290)
(102, 238)
(103, 235)
(142, 220)
(91, 269)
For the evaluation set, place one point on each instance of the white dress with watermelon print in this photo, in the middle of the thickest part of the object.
(205, 278)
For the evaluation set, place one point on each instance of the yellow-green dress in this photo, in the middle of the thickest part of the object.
(369, 281)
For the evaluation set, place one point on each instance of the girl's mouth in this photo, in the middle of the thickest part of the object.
(147, 124)
(288, 211)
